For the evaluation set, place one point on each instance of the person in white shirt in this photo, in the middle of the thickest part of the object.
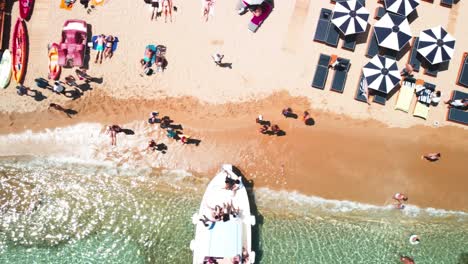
(458, 103)
(436, 97)
(58, 88)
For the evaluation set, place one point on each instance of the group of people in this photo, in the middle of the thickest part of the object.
(426, 94)
(153, 55)
(238, 259)
(400, 198)
(104, 45)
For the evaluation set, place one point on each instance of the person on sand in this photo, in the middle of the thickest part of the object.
(154, 118)
(407, 71)
(287, 112)
(458, 103)
(152, 145)
(82, 75)
(184, 139)
(171, 133)
(264, 129)
(435, 97)
(217, 58)
(58, 87)
(100, 43)
(432, 157)
(109, 43)
(58, 108)
(165, 122)
(154, 13)
(406, 260)
(334, 61)
(112, 131)
(305, 116)
(208, 9)
(70, 80)
(167, 9)
(275, 129)
(400, 197)
(21, 90)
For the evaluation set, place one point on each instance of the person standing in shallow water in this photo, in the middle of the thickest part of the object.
(112, 131)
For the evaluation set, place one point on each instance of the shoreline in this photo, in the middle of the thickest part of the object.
(334, 159)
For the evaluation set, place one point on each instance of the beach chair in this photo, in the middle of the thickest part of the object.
(257, 21)
(379, 12)
(323, 24)
(432, 70)
(390, 54)
(340, 76)
(349, 42)
(462, 78)
(359, 94)
(447, 3)
(321, 72)
(405, 96)
(458, 115)
(414, 56)
(379, 99)
(333, 36)
(421, 110)
(373, 46)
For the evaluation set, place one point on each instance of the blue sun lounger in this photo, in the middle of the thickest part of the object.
(379, 99)
(321, 32)
(458, 115)
(447, 3)
(333, 36)
(463, 73)
(321, 72)
(341, 74)
(373, 46)
(414, 56)
(432, 70)
(349, 43)
(379, 12)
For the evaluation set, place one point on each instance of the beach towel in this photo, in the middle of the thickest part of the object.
(421, 110)
(63, 5)
(405, 97)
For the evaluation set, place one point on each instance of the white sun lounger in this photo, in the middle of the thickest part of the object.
(405, 97)
(421, 110)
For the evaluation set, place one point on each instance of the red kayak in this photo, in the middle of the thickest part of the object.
(25, 8)
(19, 48)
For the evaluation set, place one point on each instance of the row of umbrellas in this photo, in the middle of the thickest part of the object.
(392, 31)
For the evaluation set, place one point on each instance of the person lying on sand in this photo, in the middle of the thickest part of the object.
(264, 129)
(58, 87)
(109, 43)
(432, 157)
(100, 42)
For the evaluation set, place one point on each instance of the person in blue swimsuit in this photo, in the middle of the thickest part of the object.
(100, 43)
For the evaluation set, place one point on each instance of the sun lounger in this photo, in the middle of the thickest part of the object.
(349, 43)
(373, 46)
(421, 110)
(432, 70)
(321, 72)
(379, 12)
(391, 54)
(359, 94)
(339, 79)
(405, 97)
(333, 36)
(463, 72)
(447, 3)
(458, 115)
(414, 56)
(379, 99)
(321, 32)
(257, 21)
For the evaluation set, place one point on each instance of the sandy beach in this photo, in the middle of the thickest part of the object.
(353, 151)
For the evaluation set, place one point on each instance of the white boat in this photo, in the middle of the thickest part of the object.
(223, 241)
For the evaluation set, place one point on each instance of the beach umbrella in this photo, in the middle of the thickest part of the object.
(350, 17)
(401, 7)
(381, 74)
(392, 31)
(436, 45)
(253, 2)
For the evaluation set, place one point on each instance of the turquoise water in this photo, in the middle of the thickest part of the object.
(56, 212)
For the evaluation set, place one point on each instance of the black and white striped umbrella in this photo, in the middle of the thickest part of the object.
(350, 17)
(381, 74)
(401, 7)
(436, 45)
(392, 31)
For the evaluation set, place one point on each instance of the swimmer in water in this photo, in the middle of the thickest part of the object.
(406, 260)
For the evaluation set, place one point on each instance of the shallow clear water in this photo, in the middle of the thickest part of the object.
(57, 212)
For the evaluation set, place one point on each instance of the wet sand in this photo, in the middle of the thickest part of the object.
(336, 158)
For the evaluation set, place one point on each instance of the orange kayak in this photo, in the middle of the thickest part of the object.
(54, 67)
(19, 50)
